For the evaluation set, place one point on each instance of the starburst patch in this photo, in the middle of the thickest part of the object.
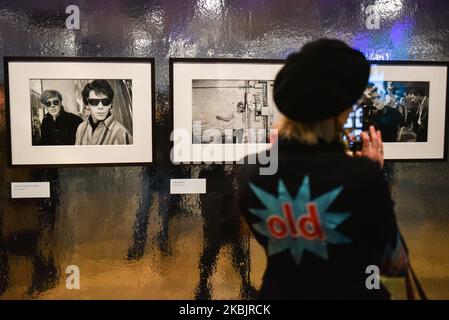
(300, 223)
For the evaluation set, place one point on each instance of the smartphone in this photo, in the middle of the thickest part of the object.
(353, 128)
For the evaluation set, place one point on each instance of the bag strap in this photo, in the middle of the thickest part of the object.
(409, 287)
(408, 281)
(422, 294)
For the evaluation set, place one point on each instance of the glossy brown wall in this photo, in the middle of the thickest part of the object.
(119, 225)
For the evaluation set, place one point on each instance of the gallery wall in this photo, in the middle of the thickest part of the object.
(119, 224)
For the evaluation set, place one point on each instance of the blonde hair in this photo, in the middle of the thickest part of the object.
(307, 132)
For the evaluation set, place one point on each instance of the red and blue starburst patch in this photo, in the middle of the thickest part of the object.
(299, 223)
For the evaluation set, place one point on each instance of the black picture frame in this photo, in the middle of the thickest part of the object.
(138, 73)
(240, 65)
(438, 112)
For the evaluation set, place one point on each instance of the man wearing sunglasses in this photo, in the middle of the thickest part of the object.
(100, 128)
(58, 126)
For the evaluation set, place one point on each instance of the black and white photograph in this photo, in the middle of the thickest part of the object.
(80, 111)
(222, 109)
(231, 111)
(407, 102)
(399, 109)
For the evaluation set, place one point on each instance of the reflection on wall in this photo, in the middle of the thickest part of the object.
(120, 225)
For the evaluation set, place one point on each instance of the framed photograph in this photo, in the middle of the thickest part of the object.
(407, 102)
(222, 109)
(79, 111)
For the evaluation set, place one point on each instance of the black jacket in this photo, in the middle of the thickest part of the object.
(388, 121)
(61, 131)
(322, 219)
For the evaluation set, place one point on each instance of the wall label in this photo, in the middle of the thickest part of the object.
(187, 186)
(30, 190)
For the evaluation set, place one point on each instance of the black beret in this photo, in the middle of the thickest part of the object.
(321, 80)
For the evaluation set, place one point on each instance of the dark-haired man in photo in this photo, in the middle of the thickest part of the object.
(58, 126)
(422, 109)
(100, 128)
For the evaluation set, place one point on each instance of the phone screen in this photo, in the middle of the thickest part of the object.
(353, 128)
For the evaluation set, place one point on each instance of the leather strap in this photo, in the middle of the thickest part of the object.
(409, 285)
(422, 294)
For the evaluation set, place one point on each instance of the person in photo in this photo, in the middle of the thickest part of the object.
(422, 109)
(101, 128)
(402, 108)
(58, 126)
(238, 117)
(390, 97)
(387, 119)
